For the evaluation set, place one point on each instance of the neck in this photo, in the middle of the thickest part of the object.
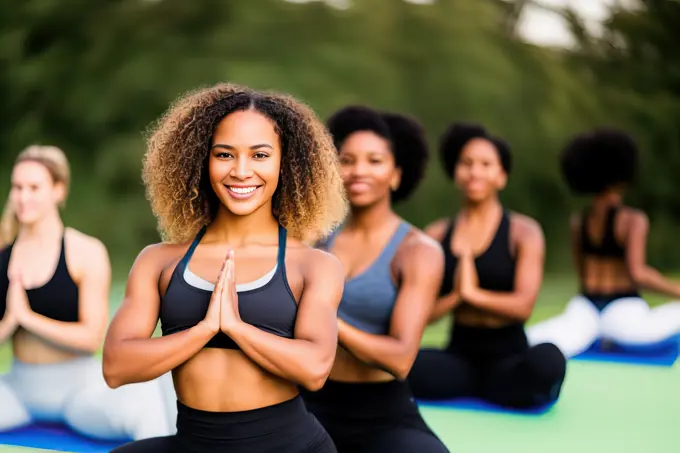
(369, 217)
(481, 210)
(608, 198)
(47, 227)
(242, 229)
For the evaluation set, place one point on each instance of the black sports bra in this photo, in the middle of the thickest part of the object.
(608, 247)
(271, 307)
(57, 299)
(495, 266)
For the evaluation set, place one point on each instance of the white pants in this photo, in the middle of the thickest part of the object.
(75, 393)
(627, 321)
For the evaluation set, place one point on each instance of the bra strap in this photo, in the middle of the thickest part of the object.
(281, 256)
(190, 251)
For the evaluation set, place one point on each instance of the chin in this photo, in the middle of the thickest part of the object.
(362, 201)
(28, 218)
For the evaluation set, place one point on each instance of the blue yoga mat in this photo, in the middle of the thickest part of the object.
(55, 437)
(664, 354)
(475, 404)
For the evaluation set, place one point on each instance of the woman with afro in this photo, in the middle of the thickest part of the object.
(492, 276)
(239, 180)
(392, 273)
(609, 247)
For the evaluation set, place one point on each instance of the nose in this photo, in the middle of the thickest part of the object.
(242, 170)
(359, 169)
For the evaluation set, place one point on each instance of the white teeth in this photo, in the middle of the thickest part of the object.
(242, 189)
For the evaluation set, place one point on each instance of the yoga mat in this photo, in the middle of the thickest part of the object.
(603, 407)
(663, 355)
(474, 404)
(55, 437)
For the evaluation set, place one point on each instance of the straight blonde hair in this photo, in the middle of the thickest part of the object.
(56, 163)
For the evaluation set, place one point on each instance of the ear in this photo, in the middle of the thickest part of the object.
(395, 182)
(60, 193)
(502, 181)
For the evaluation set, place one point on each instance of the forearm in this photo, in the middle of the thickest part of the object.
(7, 327)
(511, 305)
(144, 359)
(653, 280)
(382, 351)
(296, 360)
(442, 307)
(71, 335)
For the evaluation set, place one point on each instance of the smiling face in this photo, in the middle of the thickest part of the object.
(34, 193)
(368, 168)
(244, 162)
(479, 172)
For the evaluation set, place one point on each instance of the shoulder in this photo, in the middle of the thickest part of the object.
(438, 228)
(315, 262)
(526, 229)
(159, 255)
(421, 250)
(629, 214)
(84, 245)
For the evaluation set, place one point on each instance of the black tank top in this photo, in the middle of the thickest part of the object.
(271, 307)
(495, 266)
(57, 299)
(608, 247)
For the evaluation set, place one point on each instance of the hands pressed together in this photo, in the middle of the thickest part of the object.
(18, 307)
(223, 315)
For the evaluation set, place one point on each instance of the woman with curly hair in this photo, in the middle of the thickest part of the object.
(238, 180)
(609, 247)
(54, 307)
(492, 276)
(392, 275)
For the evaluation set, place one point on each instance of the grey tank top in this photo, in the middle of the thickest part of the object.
(368, 298)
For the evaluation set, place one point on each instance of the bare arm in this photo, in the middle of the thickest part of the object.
(444, 305)
(395, 352)
(306, 359)
(575, 235)
(130, 354)
(519, 303)
(636, 259)
(87, 334)
(8, 325)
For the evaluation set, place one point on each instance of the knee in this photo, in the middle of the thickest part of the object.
(547, 362)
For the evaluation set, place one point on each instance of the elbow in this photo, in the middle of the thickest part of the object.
(317, 375)
(638, 275)
(111, 371)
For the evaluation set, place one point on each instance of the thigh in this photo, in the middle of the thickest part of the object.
(154, 445)
(13, 413)
(527, 379)
(403, 440)
(439, 374)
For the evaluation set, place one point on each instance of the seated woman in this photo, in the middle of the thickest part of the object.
(493, 272)
(393, 273)
(238, 179)
(54, 307)
(609, 247)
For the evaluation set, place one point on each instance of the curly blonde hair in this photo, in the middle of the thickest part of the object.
(310, 199)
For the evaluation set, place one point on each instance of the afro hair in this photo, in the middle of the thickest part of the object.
(405, 134)
(599, 159)
(457, 135)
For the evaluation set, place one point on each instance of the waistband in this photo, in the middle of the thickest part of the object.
(362, 399)
(601, 300)
(229, 426)
(488, 342)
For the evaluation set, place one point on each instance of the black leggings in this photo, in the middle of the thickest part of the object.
(283, 428)
(372, 418)
(492, 364)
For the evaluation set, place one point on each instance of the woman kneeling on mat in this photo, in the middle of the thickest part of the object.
(54, 294)
(393, 273)
(609, 247)
(493, 272)
(231, 175)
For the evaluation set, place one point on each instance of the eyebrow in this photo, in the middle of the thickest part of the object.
(231, 148)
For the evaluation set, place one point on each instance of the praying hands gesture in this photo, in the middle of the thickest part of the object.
(17, 299)
(223, 315)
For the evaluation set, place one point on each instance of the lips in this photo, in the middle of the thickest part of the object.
(242, 192)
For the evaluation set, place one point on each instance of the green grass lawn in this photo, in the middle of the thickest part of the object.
(603, 407)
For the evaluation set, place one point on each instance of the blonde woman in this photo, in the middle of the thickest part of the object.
(54, 292)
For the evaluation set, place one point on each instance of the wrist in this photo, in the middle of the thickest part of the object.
(234, 329)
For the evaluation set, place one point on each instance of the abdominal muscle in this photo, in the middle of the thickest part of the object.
(348, 368)
(224, 380)
(30, 348)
